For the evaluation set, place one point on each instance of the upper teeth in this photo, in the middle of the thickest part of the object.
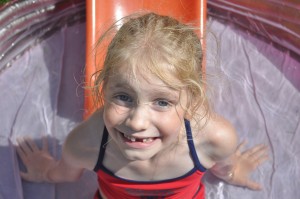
(133, 139)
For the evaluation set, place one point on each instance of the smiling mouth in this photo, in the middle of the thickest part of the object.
(134, 139)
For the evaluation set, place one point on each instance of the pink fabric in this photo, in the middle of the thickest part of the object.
(253, 83)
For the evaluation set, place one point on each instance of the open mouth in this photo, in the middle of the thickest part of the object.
(135, 139)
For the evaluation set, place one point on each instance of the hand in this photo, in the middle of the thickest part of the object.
(37, 161)
(246, 162)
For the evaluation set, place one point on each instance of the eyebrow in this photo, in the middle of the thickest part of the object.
(120, 85)
(162, 90)
(166, 94)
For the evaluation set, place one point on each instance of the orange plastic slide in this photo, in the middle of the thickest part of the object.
(102, 12)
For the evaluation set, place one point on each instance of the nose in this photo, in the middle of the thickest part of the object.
(138, 118)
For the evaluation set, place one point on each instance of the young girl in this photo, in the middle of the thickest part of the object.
(155, 136)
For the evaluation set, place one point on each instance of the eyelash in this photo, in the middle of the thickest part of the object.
(119, 96)
(167, 102)
(128, 101)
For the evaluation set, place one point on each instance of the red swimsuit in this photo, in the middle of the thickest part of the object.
(187, 186)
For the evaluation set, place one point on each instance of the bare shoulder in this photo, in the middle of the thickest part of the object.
(83, 143)
(218, 140)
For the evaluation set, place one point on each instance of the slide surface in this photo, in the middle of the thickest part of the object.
(252, 65)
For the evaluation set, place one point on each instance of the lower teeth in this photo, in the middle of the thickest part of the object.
(147, 140)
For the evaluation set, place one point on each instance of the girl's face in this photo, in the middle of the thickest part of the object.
(143, 116)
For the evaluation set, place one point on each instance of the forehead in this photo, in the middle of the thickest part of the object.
(142, 76)
(142, 60)
(132, 74)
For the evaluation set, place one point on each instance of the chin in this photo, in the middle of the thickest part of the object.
(137, 155)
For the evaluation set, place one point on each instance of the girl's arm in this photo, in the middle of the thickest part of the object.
(80, 151)
(42, 167)
(230, 164)
(237, 168)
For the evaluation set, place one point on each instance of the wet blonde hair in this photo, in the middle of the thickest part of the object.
(162, 46)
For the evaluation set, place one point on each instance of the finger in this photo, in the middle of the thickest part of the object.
(240, 147)
(32, 144)
(258, 152)
(253, 185)
(25, 176)
(248, 153)
(261, 160)
(23, 145)
(18, 148)
(21, 154)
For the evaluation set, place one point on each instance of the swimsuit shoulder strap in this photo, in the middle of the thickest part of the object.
(102, 149)
(192, 148)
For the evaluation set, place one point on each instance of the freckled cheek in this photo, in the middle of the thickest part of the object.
(116, 109)
(175, 129)
(109, 115)
(171, 126)
(113, 115)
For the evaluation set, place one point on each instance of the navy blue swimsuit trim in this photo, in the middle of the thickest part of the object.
(102, 150)
(198, 165)
(193, 152)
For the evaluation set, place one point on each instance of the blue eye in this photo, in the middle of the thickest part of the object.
(163, 103)
(124, 98)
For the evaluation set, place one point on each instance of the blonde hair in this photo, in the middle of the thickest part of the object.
(153, 41)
